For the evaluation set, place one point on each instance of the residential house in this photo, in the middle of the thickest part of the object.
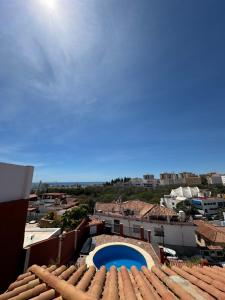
(159, 224)
(211, 239)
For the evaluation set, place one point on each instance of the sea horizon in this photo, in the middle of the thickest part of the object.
(70, 183)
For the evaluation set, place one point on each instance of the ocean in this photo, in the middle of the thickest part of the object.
(58, 184)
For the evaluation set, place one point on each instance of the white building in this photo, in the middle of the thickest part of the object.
(178, 195)
(223, 179)
(208, 206)
(148, 181)
(171, 202)
(158, 224)
(187, 192)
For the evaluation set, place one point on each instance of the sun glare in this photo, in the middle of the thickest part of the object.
(50, 5)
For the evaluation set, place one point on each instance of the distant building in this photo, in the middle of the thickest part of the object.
(223, 179)
(193, 180)
(178, 195)
(55, 202)
(148, 181)
(52, 196)
(208, 206)
(214, 179)
(148, 176)
(136, 182)
(169, 179)
(186, 178)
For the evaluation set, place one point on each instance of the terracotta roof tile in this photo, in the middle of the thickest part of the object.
(140, 208)
(214, 234)
(162, 211)
(69, 283)
(107, 207)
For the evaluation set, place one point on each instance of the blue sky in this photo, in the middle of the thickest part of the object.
(91, 90)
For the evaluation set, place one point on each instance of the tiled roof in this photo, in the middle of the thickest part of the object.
(41, 283)
(136, 205)
(212, 233)
(141, 208)
(146, 209)
(157, 210)
(107, 207)
(94, 222)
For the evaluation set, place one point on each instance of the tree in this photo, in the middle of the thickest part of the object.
(186, 206)
(50, 215)
(91, 205)
(71, 218)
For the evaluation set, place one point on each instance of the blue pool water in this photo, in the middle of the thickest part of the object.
(118, 255)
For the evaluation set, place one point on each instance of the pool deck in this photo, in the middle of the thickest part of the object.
(103, 239)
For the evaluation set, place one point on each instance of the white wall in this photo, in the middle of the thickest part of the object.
(179, 234)
(15, 182)
(171, 202)
(223, 179)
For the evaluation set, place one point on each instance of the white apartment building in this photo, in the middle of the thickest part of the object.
(208, 206)
(148, 181)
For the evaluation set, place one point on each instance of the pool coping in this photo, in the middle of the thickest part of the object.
(147, 257)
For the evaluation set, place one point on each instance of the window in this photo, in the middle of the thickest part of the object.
(108, 222)
(159, 231)
(136, 228)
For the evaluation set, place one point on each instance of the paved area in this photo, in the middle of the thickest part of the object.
(103, 239)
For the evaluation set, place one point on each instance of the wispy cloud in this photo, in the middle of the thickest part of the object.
(98, 85)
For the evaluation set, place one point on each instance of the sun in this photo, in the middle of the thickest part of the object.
(50, 5)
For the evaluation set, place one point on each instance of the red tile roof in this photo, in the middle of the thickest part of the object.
(140, 208)
(210, 232)
(41, 283)
(161, 211)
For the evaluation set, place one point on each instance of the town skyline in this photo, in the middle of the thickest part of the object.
(144, 174)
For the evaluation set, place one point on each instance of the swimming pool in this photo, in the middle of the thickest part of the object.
(118, 254)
